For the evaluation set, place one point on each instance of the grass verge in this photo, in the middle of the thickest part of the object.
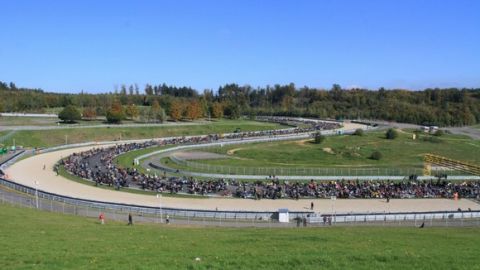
(42, 240)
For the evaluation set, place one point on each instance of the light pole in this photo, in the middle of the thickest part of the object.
(159, 196)
(36, 192)
(333, 199)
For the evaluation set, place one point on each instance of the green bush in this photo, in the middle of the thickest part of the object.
(115, 117)
(115, 114)
(319, 138)
(432, 139)
(69, 114)
(358, 132)
(439, 133)
(377, 155)
(391, 134)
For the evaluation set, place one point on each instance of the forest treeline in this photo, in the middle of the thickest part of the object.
(443, 107)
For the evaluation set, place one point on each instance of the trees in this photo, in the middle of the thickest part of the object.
(194, 110)
(89, 113)
(131, 111)
(123, 90)
(176, 110)
(391, 134)
(217, 110)
(148, 90)
(69, 114)
(115, 114)
(232, 111)
(157, 113)
(438, 107)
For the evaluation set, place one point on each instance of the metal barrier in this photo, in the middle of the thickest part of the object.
(192, 213)
(290, 171)
(30, 197)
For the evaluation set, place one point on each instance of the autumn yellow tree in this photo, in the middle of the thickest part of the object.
(176, 110)
(89, 113)
(156, 112)
(217, 110)
(115, 113)
(132, 111)
(194, 110)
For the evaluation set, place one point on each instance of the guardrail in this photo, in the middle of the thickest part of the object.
(12, 159)
(58, 203)
(289, 171)
(309, 171)
(192, 213)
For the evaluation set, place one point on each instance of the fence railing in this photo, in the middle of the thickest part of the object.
(308, 171)
(192, 213)
(318, 171)
(29, 197)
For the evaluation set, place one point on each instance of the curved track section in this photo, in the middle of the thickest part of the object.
(38, 169)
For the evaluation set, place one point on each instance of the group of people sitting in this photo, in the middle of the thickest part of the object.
(98, 166)
(361, 189)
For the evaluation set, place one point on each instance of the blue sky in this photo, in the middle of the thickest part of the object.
(68, 46)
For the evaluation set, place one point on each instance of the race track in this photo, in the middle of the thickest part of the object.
(31, 169)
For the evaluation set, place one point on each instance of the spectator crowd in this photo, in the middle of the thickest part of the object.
(98, 165)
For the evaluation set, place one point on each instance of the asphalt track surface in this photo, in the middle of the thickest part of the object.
(29, 170)
(472, 132)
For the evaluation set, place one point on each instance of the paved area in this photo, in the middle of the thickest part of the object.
(472, 132)
(197, 155)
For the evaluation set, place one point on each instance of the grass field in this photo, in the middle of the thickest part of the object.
(347, 150)
(27, 121)
(53, 121)
(45, 138)
(32, 239)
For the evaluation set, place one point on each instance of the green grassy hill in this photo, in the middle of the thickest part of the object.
(44, 138)
(31, 239)
(351, 151)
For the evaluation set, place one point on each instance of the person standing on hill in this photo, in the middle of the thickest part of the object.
(130, 219)
(102, 218)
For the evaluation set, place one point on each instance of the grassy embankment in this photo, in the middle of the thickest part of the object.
(41, 240)
(46, 138)
(347, 150)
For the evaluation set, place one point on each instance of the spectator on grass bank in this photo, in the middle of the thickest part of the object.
(130, 219)
(101, 217)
